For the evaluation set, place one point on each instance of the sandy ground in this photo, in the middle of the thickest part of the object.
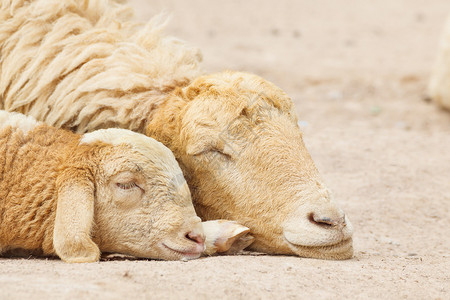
(357, 71)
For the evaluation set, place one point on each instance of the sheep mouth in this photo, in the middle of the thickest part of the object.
(338, 251)
(183, 254)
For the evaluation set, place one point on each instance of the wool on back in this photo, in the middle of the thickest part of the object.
(89, 59)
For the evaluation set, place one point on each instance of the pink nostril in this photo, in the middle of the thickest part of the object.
(325, 221)
(195, 237)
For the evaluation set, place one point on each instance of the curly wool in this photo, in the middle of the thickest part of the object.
(81, 56)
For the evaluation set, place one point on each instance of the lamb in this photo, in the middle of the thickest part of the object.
(110, 190)
(439, 85)
(86, 65)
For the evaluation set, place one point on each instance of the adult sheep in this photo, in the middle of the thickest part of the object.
(439, 86)
(55, 185)
(84, 65)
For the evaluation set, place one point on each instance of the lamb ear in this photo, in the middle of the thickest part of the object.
(74, 218)
(225, 237)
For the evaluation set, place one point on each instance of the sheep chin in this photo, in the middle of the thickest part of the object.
(176, 252)
(340, 251)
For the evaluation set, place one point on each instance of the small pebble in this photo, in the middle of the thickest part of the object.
(126, 274)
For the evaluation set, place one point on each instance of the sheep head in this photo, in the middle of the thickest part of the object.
(237, 140)
(136, 196)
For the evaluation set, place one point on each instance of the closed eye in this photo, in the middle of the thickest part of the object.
(214, 153)
(126, 186)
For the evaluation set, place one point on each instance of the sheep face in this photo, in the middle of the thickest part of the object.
(143, 205)
(245, 160)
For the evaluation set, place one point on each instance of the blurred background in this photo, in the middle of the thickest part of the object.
(297, 39)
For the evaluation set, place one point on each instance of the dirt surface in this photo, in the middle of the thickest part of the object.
(357, 71)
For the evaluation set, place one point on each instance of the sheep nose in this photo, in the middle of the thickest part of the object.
(327, 221)
(196, 237)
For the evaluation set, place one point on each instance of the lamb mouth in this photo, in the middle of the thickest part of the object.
(334, 251)
(183, 254)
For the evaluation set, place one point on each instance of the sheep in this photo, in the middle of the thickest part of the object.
(439, 85)
(110, 190)
(86, 65)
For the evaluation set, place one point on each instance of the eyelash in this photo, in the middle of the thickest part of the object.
(215, 152)
(126, 186)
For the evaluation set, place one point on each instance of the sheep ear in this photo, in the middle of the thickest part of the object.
(198, 146)
(225, 237)
(205, 140)
(74, 218)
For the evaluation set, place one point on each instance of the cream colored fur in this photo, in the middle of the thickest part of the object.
(85, 65)
(17, 121)
(439, 86)
(152, 149)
